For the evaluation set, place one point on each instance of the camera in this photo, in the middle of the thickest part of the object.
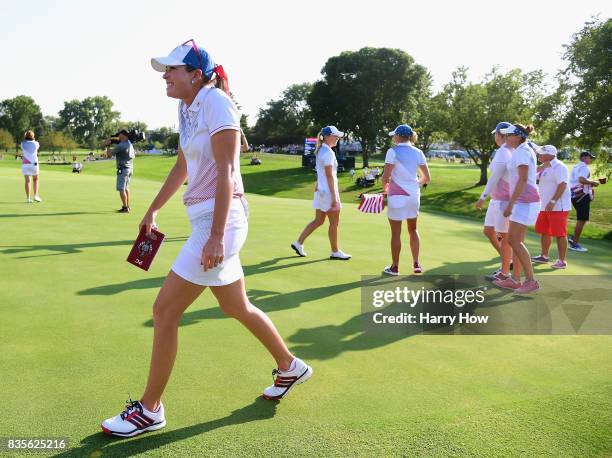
(133, 136)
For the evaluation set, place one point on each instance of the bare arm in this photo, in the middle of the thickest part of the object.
(329, 176)
(225, 146)
(386, 177)
(175, 179)
(558, 193)
(425, 176)
(584, 180)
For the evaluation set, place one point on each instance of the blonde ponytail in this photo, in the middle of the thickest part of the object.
(319, 142)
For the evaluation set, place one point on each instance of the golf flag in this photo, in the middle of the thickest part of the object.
(372, 203)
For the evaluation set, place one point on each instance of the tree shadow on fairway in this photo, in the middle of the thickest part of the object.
(109, 290)
(270, 265)
(28, 215)
(101, 445)
(268, 301)
(70, 248)
(358, 333)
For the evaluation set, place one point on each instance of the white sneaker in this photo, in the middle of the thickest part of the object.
(299, 249)
(134, 420)
(37, 198)
(285, 380)
(29, 201)
(340, 255)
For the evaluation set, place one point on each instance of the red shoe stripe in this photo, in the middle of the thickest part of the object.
(135, 423)
(144, 418)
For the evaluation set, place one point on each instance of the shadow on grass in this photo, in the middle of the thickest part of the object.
(28, 215)
(269, 301)
(101, 445)
(70, 248)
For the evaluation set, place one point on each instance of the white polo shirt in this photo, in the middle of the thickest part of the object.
(326, 157)
(524, 155)
(550, 178)
(211, 112)
(581, 170)
(406, 160)
(29, 149)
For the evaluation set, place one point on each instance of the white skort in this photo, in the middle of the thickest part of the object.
(495, 216)
(525, 213)
(400, 207)
(188, 263)
(323, 200)
(30, 169)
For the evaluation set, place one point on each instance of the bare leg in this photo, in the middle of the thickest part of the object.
(234, 302)
(27, 186)
(396, 241)
(127, 197)
(506, 254)
(332, 232)
(545, 244)
(35, 184)
(415, 240)
(175, 295)
(489, 232)
(516, 236)
(562, 247)
(578, 230)
(318, 220)
(123, 196)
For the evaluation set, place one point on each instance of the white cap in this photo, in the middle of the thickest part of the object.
(548, 149)
(331, 130)
(174, 59)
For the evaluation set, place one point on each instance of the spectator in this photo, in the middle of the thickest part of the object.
(582, 193)
(556, 203)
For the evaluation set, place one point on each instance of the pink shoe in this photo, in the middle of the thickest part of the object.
(417, 269)
(559, 264)
(528, 287)
(508, 283)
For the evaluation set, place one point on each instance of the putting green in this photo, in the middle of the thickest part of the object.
(76, 339)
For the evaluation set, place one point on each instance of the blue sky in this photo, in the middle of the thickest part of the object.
(65, 49)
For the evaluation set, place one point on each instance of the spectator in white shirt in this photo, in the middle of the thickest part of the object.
(581, 187)
(553, 179)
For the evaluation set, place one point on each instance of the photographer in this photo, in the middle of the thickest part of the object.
(124, 155)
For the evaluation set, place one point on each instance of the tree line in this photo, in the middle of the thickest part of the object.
(79, 123)
(368, 92)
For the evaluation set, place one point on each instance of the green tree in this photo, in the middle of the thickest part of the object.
(56, 141)
(471, 110)
(19, 114)
(88, 120)
(368, 92)
(285, 120)
(6, 140)
(589, 79)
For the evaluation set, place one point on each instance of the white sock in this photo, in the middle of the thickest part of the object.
(292, 366)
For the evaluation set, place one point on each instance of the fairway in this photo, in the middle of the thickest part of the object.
(77, 331)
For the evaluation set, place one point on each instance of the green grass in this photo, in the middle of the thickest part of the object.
(452, 189)
(76, 339)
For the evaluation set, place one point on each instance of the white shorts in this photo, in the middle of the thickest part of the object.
(400, 208)
(525, 213)
(323, 199)
(495, 216)
(30, 169)
(188, 263)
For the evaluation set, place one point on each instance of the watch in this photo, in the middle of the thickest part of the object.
(553, 201)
